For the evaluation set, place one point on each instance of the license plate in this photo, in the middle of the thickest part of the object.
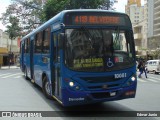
(112, 93)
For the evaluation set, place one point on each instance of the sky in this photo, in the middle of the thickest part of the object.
(120, 7)
(3, 6)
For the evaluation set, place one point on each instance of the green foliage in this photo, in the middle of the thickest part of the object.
(13, 30)
(85, 4)
(156, 54)
(27, 12)
(52, 7)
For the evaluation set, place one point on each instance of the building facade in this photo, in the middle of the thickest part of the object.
(8, 49)
(135, 11)
(146, 25)
(153, 24)
(139, 18)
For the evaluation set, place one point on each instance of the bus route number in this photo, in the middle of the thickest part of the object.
(120, 75)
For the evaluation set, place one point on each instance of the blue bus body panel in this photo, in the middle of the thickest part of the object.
(91, 92)
(27, 63)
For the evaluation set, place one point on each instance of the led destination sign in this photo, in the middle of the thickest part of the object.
(96, 18)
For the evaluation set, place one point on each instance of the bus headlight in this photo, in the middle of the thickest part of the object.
(74, 85)
(133, 78)
(71, 84)
(130, 81)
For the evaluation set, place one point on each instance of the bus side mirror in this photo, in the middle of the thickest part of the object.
(61, 39)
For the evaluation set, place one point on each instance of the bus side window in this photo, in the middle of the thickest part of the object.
(38, 43)
(26, 45)
(46, 41)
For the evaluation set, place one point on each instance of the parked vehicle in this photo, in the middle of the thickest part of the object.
(153, 66)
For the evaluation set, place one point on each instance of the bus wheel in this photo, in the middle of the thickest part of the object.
(46, 88)
(25, 74)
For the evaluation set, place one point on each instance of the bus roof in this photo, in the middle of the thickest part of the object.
(59, 16)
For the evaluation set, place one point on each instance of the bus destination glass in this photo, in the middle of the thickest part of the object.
(96, 19)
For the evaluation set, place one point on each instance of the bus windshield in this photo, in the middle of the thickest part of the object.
(98, 50)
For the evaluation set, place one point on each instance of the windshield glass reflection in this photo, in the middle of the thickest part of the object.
(98, 49)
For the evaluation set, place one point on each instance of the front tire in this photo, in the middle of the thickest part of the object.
(46, 88)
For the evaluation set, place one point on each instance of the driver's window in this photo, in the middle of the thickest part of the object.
(119, 42)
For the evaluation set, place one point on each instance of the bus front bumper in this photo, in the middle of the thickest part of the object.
(70, 98)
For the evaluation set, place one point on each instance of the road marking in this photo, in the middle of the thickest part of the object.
(11, 75)
(5, 74)
(18, 77)
(141, 80)
(152, 80)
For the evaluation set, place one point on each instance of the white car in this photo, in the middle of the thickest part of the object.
(153, 66)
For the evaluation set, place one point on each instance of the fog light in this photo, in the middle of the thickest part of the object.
(77, 87)
(71, 84)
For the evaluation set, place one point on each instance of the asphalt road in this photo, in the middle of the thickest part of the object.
(18, 94)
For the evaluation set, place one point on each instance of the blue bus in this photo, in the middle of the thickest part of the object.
(82, 57)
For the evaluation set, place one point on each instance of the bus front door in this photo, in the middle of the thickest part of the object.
(32, 60)
(22, 57)
(56, 76)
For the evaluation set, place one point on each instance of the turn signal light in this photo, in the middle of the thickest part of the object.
(130, 93)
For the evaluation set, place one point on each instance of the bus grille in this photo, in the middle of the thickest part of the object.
(101, 87)
(99, 79)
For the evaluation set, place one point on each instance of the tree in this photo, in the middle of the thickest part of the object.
(156, 53)
(13, 31)
(84, 4)
(52, 7)
(27, 12)
(108, 4)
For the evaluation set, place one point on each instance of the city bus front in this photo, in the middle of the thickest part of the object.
(99, 61)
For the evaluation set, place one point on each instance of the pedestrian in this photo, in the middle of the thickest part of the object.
(142, 69)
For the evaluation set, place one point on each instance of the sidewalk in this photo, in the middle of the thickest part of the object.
(11, 67)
